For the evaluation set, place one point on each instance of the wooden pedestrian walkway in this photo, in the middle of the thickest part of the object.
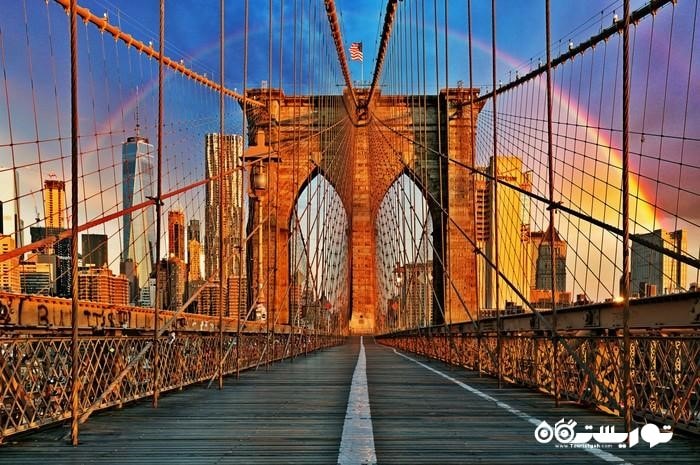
(294, 412)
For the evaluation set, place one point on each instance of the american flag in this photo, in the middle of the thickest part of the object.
(356, 51)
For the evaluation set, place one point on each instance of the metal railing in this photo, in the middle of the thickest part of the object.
(35, 372)
(664, 368)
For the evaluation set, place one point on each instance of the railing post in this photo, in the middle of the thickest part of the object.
(550, 163)
(159, 204)
(627, 361)
(222, 275)
(494, 164)
(75, 355)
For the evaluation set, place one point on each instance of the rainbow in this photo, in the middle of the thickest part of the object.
(642, 211)
(130, 104)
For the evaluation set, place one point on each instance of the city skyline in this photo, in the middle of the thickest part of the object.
(119, 123)
(96, 243)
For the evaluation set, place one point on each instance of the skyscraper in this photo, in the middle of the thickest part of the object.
(232, 148)
(193, 230)
(58, 254)
(176, 234)
(95, 250)
(543, 277)
(175, 283)
(483, 234)
(54, 202)
(98, 284)
(64, 270)
(194, 252)
(296, 288)
(139, 227)
(237, 295)
(9, 269)
(36, 278)
(417, 294)
(10, 218)
(541, 269)
(652, 268)
(513, 217)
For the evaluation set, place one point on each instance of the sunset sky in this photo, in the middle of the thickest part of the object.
(116, 81)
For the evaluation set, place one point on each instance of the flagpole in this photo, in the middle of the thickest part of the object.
(356, 54)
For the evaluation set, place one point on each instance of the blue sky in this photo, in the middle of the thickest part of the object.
(193, 26)
(39, 105)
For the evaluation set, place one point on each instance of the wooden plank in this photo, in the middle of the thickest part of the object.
(294, 413)
(420, 417)
(290, 413)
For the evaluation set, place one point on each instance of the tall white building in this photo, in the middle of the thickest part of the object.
(10, 219)
(139, 236)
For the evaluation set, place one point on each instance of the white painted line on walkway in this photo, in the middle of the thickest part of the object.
(601, 454)
(357, 443)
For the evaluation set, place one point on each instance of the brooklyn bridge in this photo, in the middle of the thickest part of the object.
(221, 242)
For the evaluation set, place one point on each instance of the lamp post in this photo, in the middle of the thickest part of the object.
(258, 157)
(425, 317)
(258, 182)
(399, 290)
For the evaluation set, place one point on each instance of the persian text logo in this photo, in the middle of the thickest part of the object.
(564, 432)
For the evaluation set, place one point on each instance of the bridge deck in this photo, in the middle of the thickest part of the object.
(295, 412)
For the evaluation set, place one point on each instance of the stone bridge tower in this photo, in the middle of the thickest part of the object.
(377, 151)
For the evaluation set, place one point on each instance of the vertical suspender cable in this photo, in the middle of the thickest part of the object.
(447, 260)
(271, 291)
(494, 214)
(444, 289)
(550, 163)
(239, 341)
(222, 181)
(472, 144)
(295, 313)
(278, 304)
(627, 369)
(159, 222)
(75, 364)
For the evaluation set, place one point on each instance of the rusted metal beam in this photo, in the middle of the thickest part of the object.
(386, 34)
(674, 313)
(339, 46)
(104, 25)
(29, 313)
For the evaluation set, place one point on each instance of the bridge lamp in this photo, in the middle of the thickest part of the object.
(401, 293)
(257, 157)
(258, 177)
